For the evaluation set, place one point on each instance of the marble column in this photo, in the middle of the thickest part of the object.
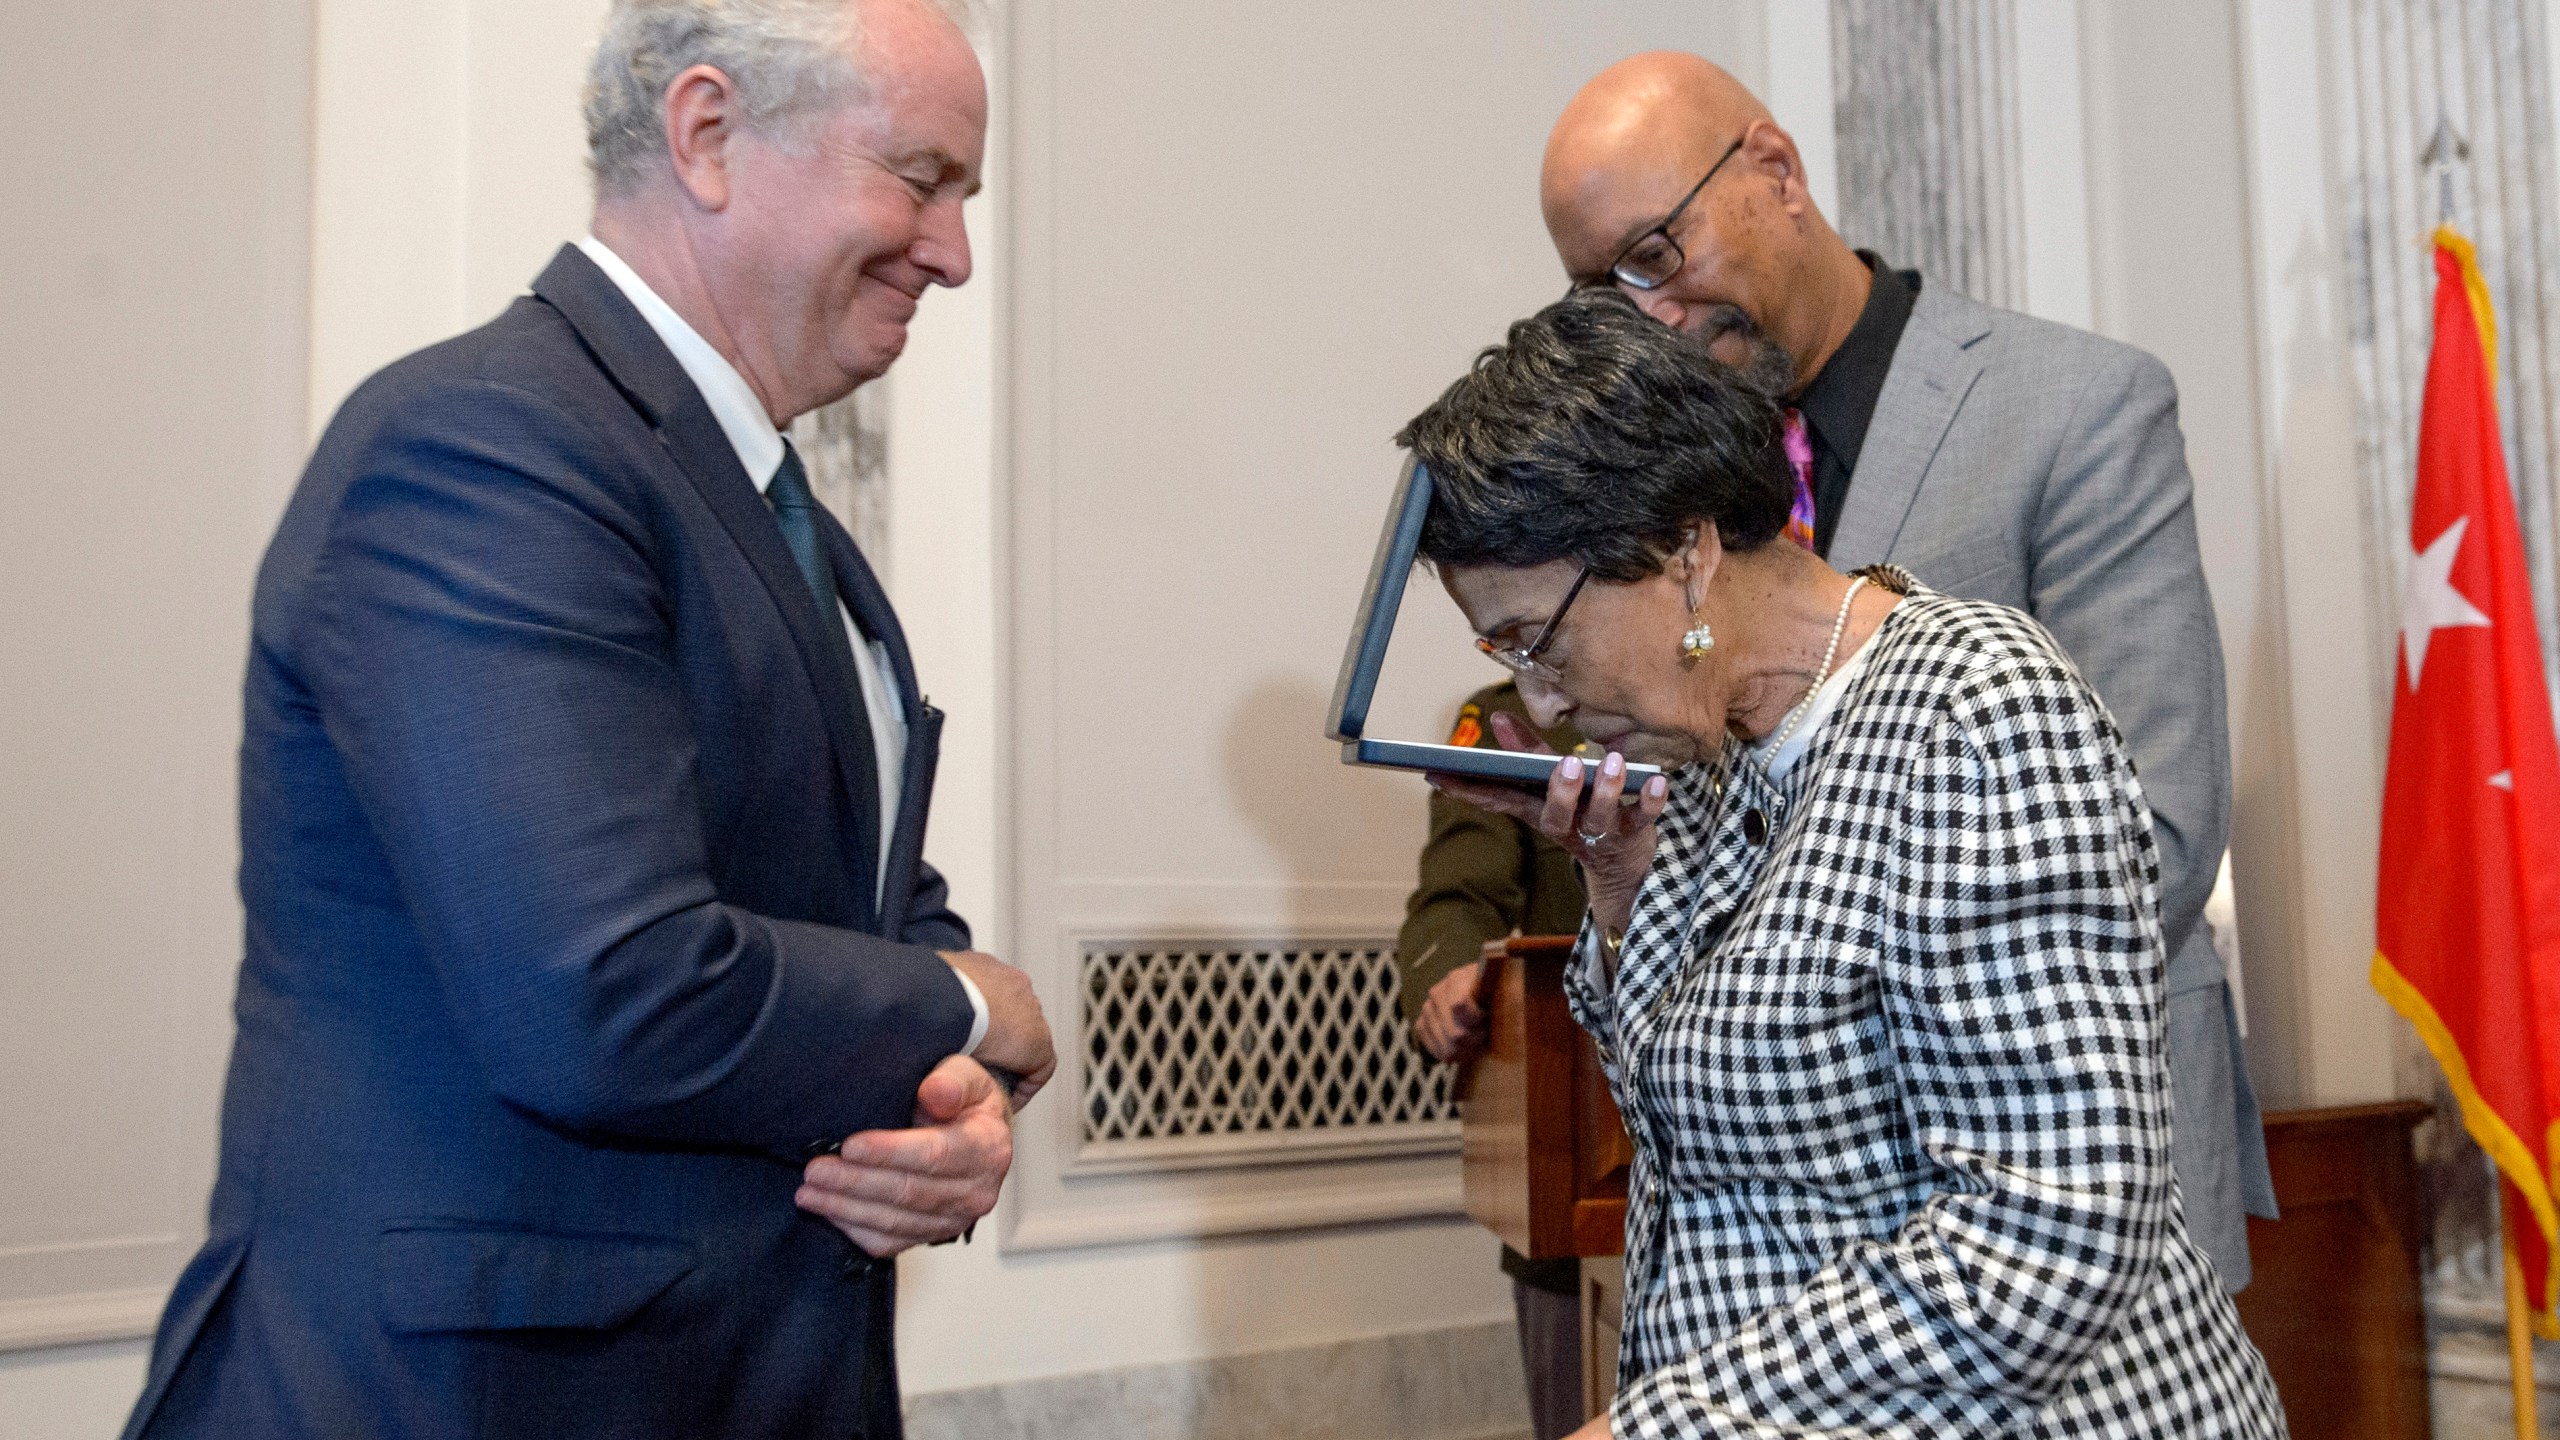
(2398, 66)
(1925, 104)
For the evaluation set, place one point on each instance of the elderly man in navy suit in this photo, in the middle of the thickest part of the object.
(602, 1029)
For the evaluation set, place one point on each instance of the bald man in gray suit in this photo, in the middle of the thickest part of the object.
(1997, 456)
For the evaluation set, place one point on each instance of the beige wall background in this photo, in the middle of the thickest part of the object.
(1211, 332)
(235, 209)
(153, 291)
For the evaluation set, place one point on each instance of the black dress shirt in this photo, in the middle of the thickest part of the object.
(1842, 398)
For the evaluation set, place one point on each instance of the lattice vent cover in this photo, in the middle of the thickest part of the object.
(1200, 1039)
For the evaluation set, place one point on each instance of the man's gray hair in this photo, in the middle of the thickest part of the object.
(792, 61)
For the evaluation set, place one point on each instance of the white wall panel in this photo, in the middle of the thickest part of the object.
(151, 292)
(2314, 751)
(2053, 162)
(2176, 271)
(1248, 244)
(449, 162)
(151, 358)
(1799, 92)
(524, 143)
(387, 258)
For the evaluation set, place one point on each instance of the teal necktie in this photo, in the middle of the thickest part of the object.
(795, 509)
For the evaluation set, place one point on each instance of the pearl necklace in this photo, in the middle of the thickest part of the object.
(1830, 652)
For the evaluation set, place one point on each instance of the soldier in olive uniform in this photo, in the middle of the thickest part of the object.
(1485, 876)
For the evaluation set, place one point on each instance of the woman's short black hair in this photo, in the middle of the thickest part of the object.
(1596, 434)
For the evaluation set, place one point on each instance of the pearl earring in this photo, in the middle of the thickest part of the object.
(1696, 644)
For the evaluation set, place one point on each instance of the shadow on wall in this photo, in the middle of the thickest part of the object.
(2266, 838)
(1336, 829)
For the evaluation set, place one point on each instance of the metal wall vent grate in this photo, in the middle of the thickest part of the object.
(1219, 1047)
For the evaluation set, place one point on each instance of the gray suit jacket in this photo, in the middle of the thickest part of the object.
(2016, 460)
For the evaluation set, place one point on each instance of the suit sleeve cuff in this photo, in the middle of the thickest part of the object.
(977, 1012)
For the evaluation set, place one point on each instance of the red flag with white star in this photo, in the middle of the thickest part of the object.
(2468, 932)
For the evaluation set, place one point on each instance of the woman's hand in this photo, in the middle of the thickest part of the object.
(1580, 811)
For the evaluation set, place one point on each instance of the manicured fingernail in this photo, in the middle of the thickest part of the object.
(1616, 764)
(1657, 787)
(1571, 768)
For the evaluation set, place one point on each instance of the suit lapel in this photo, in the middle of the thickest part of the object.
(639, 363)
(869, 602)
(1934, 368)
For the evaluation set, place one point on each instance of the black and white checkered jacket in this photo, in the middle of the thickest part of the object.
(1889, 1044)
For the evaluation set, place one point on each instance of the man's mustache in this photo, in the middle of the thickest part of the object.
(1766, 367)
(1717, 321)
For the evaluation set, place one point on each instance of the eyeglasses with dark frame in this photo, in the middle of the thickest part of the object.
(1650, 260)
(1525, 661)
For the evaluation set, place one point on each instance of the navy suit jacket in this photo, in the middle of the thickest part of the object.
(563, 946)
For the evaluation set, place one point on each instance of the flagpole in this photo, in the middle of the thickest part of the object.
(2519, 1333)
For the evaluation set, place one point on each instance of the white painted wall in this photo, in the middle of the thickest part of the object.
(151, 347)
(1101, 1308)
(2053, 161)
(2335, 725)
(447, 166)
(1799, 95)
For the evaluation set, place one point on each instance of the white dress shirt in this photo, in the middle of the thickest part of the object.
(1817, 710)
(753, 435)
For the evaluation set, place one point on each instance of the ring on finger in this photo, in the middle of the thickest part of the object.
(1589, 839)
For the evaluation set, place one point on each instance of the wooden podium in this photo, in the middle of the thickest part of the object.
(2337, 1304)
(1545, 1157)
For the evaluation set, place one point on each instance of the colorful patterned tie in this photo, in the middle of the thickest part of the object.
(1800, 460)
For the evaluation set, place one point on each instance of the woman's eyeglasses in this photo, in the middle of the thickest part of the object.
(1526, 661)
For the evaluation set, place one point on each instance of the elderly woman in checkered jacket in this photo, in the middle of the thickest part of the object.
(1876, 969)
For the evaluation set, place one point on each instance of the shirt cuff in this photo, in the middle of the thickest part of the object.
(1599, 986)
(977, 1012)
(1590, 952)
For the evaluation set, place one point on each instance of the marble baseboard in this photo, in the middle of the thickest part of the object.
(1458, 1384)
(2467, 1382)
